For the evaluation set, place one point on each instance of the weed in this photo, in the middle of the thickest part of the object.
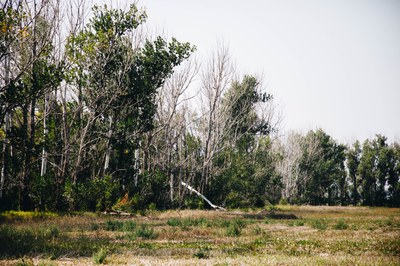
(115, 225)
(24, 262)
(46, 263)
(130, 236)
(202, 253)
(94, 226)
(52, 232)
(146, 245)
(26, 216)
(299, 223)
(233, 230)
(235, 227)
(257, 230)
(145, 232)
(174, 222)
(129, 226)
(111, 225)
(319, 224)
(341, 225)
(100, 256)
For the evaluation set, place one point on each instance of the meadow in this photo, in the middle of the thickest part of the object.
(278, 235)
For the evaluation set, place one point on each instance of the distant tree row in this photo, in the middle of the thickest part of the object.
(315, 169)
(97, 115)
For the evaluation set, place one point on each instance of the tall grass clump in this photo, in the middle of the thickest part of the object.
(174, 222)
(341, 225)
(113, 225)
(145, 232)
(235, 228)
(100, 256)
(319, 224)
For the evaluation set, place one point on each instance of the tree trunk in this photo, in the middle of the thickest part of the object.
(109, 146)
(45, 132)
(4, 154)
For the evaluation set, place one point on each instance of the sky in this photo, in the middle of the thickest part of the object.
(332, 64)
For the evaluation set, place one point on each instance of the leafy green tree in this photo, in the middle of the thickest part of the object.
(30, 72)
(247, 175)
(117, 84)
(353, 160)
(367, 170)
(394, 176)
(322, 164)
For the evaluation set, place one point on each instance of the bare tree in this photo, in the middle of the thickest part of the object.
(167, 140)
(292, 152)
(216, 79)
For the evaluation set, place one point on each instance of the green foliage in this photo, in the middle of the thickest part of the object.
(341, 225)
(10, 216)
(99, 105)
(100, 256)
(117, 225)
(235, 228)
(202, 253)
(174, 222)
(146, 232)
(114, 225)
(319, 224)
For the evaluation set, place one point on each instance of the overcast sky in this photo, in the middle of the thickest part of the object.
(333, 64)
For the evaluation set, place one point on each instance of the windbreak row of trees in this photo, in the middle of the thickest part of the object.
(316, 169)
(97, 115)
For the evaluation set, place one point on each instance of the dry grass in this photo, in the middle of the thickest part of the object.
(293, 235)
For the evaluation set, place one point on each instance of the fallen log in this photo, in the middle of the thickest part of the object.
(203, 197)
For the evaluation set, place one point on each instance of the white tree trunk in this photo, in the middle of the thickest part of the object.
(108, 151)
(45, 132)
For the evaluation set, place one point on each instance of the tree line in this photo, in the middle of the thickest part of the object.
(97, 114)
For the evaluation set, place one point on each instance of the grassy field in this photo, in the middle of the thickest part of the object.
(282, 235)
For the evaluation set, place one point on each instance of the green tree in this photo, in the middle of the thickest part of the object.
(367, 170)
(353, 160)
(117, 83)
(246, 171)
(322, 165)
